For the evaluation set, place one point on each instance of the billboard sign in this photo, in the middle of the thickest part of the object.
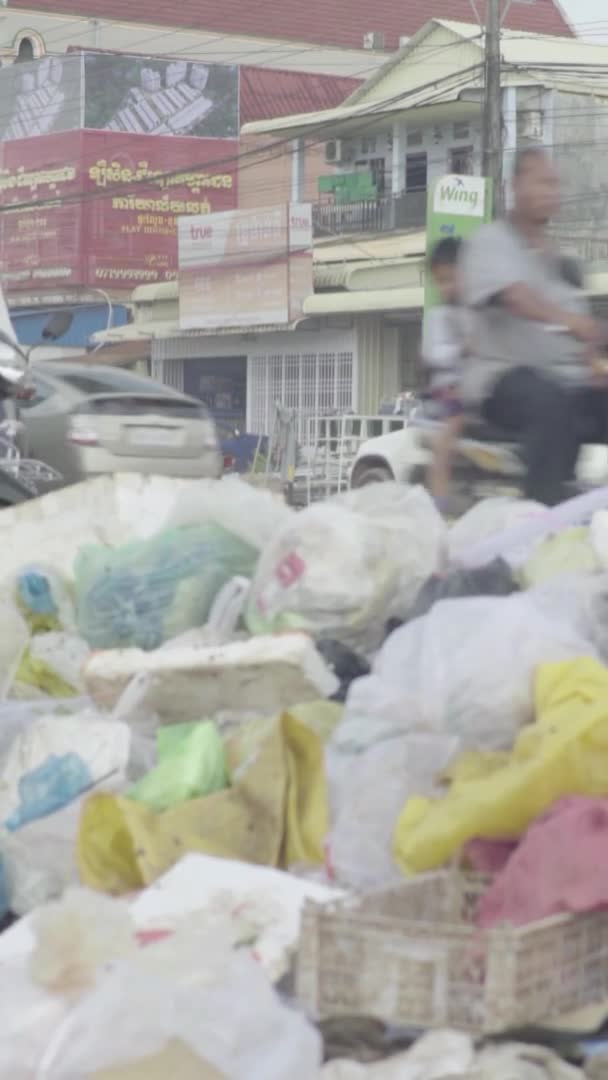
(133, 95)
(245, 267)
(41, 97)
(142, 95)
(96, 208)
(457, 206)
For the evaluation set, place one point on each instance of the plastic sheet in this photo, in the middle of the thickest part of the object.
(127, 1004)
(465, 669)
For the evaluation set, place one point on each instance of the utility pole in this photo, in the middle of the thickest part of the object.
(492, 105)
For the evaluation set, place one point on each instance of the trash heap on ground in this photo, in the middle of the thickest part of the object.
(348, 763)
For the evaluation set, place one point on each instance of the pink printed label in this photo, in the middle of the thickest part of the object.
(290, 570)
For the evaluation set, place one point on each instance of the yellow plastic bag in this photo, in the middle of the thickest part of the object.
(564, 753)
(275, 814)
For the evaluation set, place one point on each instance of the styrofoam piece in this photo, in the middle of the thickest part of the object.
(515, 544)
(264, 674)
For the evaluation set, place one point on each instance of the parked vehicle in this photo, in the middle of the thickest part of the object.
(87, 420)
(22, 478)
(487, 461)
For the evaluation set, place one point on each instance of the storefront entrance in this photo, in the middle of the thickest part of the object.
(221, 383)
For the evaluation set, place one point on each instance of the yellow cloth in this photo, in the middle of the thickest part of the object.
(275, 814)
(564, 753)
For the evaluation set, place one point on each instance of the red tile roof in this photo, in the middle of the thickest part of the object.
(266, 93)
(337, 22)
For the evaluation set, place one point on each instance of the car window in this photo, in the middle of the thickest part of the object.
(112, 381)
(43, 391)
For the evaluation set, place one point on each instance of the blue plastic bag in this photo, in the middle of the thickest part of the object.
(146, 593)
(54, 784)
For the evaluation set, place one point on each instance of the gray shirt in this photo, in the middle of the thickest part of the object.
(496, 258)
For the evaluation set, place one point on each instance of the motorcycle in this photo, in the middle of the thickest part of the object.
(21, 477)
(487, 461)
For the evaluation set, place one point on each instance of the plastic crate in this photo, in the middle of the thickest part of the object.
(412, 956)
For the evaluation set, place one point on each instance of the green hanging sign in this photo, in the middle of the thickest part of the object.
(457, 206)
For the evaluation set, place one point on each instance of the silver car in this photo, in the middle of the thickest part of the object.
(86, 420)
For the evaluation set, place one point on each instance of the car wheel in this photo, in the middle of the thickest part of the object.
(372, 474)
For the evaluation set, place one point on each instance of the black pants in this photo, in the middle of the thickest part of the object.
(551, 422)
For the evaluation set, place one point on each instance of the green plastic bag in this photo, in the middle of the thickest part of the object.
(191, 763)
(148, 592)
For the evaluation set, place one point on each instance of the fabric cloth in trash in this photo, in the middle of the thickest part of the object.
(146, 593)
(275, 814)
(559, 866)
(564, 753)
(446, 673)
(340, 568)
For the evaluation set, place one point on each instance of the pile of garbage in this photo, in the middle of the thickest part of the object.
(216, 710)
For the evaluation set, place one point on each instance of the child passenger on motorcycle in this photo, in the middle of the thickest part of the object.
(445, 345)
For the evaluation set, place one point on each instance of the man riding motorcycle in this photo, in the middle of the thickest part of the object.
(535, 343)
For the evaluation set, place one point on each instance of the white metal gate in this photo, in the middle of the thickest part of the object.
(312, 383)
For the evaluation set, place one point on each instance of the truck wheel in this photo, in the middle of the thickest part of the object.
(372, 474)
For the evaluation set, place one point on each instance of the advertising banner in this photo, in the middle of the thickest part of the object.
(457, 206)
(41, 97)
(100, 208)
(140, 95)
(41, 212)
(245, 268)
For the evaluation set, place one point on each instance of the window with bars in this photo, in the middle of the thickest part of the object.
(311, 383)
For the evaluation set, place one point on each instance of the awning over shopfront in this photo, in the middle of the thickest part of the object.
(377, 300)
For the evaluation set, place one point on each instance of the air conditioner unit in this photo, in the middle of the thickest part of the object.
(339, 152)
(373, 40)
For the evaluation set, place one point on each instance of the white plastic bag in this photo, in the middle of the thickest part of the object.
(465, 669)
(50, 656)
(191, 987)
(102, 746)
(13, 641)
(341, 568)
(368, 791)
(516, 540)
(252, 514)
